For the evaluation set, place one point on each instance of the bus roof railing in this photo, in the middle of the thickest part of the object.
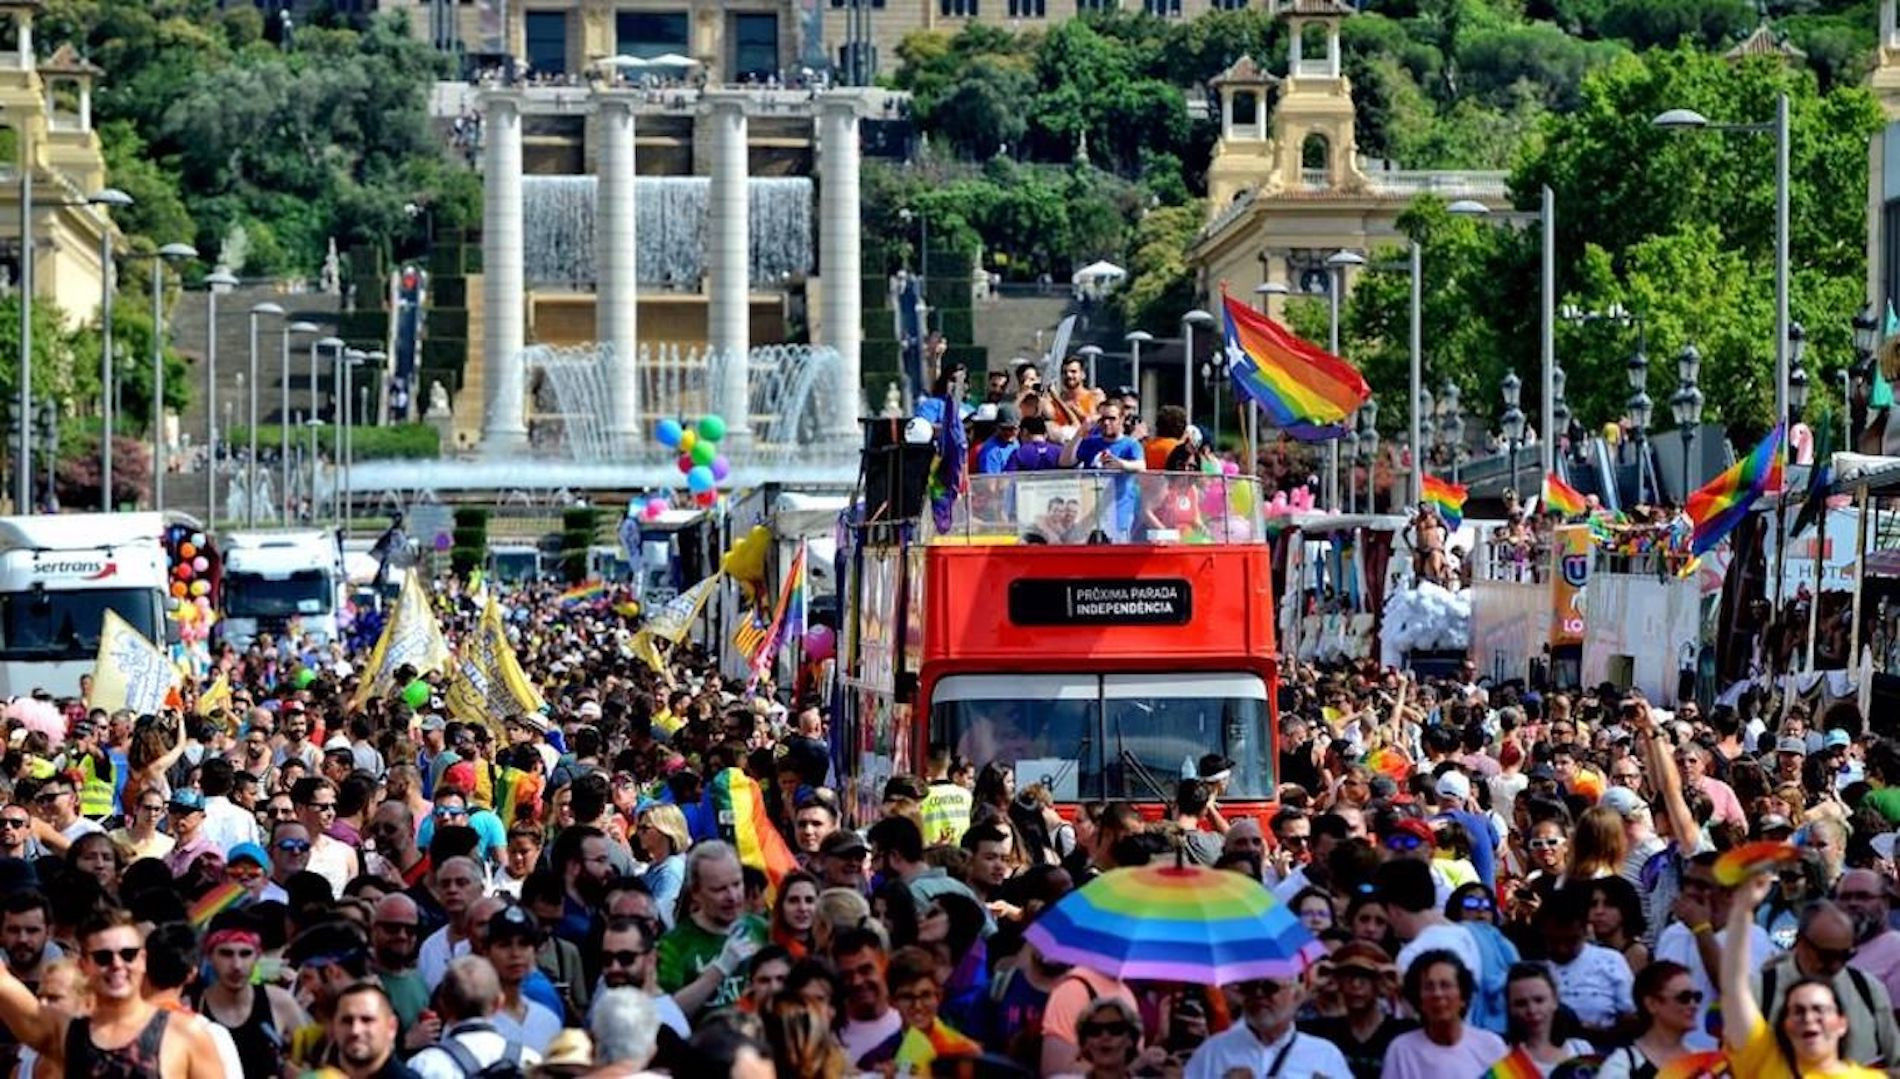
(1070, 507)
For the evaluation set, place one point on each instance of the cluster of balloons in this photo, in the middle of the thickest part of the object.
(699, 458)
(189, 603)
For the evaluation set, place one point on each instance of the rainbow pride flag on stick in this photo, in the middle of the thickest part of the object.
(1721, 504)
(1294, 382)
(1518, 1065)
(1561, 498)
(1447, 498)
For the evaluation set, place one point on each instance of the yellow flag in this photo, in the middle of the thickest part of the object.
(648, 653)
(671, 621)
(218, 696)
(411, 637)
(130, 671)
(486, 682)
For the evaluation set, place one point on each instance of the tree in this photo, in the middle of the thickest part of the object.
(1160, 284)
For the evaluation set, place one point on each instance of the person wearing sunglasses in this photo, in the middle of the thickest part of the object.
(17, 839)
(1667, 1005)
(1824, 945)
(1264, 1041)
(140, 834)
(145, 1042)
(1364, 977)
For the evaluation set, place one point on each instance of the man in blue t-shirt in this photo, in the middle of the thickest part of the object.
(994, 454)
(1108, 448)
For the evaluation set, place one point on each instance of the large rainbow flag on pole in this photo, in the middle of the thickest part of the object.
(1561, 498)
(1446, 497)
(1719, 505)
(1294, 382)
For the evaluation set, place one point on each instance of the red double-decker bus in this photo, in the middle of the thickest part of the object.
(1101, 633)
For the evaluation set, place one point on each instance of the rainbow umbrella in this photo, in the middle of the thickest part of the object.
(1178, 923)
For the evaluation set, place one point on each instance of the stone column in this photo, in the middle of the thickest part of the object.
(504, 294)
(841, 227)
(728, 329)
(616, 296)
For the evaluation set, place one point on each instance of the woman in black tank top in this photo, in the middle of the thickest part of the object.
(137, 1060)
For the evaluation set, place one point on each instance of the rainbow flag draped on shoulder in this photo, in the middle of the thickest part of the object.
(1294, 382)
(1721, 504)
(739, 807)
(1446, 497)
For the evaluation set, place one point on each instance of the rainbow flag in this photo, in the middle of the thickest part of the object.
(515, 792)
(739, 807)
(1447, 498)
(920, 1048)
(1562, 499)
(1518, 1065)
(1743, 862)
(219, 899)
(1719, 505)
(1704, 1065)
(792, 602)
(584, 592)
(1293, 381)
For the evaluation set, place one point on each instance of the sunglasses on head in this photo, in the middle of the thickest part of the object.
(102, 957)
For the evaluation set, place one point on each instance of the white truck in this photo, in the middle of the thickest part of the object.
(288, 582)
(58, 576)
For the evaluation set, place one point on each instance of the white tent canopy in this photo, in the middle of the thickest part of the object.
(1098, 273)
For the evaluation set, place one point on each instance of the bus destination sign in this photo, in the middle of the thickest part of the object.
(1094, 601)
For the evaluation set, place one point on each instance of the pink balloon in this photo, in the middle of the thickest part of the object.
(1229, 468)
(652, 510)
(820, 643)
(1213, 500)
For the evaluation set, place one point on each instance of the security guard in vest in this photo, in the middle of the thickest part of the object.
(946, 804)
(87, 757)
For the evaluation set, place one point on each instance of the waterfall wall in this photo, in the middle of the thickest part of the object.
(558, 229)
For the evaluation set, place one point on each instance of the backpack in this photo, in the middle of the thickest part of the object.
(507, 1066)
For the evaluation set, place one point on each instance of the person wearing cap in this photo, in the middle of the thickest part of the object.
(992, 457)
(1790, 754)
(187, 813)
(1454, 803)
(510, 942)
(1364, 977)
(1639, 831)
(841, 857)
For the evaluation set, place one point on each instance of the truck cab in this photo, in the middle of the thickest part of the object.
(514, 563)
(285, 583)
(58, 577)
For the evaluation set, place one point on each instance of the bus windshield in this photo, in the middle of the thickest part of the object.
(55, 625)
(253, 595)
(1119, 736)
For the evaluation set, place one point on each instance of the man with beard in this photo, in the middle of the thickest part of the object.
(858, 955)
(1265, 1042)
(25, 918)
(718, 933)
(397, 857)
(363, 1030)
(581, 858)
(392, 956)
(259, 1017)
(458, 884)
(125, 1035)
(328, 957)
(1866, 896)
(16, 833)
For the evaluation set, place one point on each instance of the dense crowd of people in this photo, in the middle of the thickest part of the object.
(284, 880)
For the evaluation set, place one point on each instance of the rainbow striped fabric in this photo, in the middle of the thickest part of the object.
(1721, 504)
(739, 807)
(919, 1048)
(584, 592)
(1562, 499)
(1447, 498)
(1518, 1065)
(1293, 381)
(215, 902)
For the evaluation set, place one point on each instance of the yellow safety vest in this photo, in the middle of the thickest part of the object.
(95, 794)
(946, 814)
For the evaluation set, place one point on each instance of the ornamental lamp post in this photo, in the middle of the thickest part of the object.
(1686, 404)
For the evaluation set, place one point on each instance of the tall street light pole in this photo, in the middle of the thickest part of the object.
(110, 198)
(1546, 217)
(1337, 262)
(1690, 120)
(283, 419)
(334, 346)
(250, 465)
(168, 253)
(215, 281)
(1136, 339)
(1196, 317)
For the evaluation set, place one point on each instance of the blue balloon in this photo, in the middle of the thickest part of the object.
(699, 479)
(669, 432)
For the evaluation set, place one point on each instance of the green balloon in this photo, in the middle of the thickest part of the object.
(305, 677)
(711, 429)
(704, 452)
(416, 693)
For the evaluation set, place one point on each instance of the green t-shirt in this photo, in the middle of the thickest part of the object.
(1887, 800)
(408, 993)
(689, 948)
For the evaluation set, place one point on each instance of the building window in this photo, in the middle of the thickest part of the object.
(957, 9)
(1083, 6)
(1231, 5)
(546, 33)
(754, 45)
(647, 34)
(1246, 108)
(1166, 9)
(1028, 9)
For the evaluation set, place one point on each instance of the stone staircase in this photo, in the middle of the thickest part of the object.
(1007, 325)
(187, 321)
